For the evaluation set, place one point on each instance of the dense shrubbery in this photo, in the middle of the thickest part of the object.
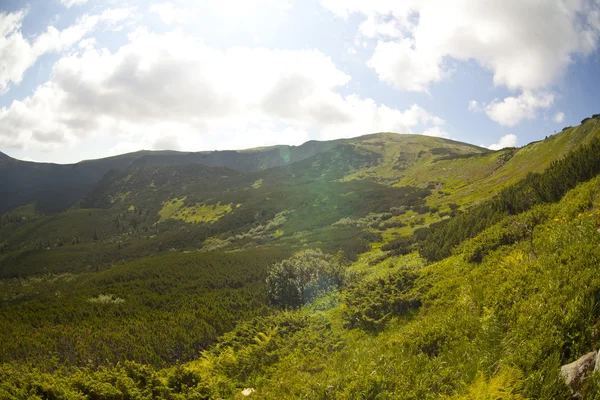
(172, 307)
(371, 304)
(516, 298)
(546, 187)
(401, 246)
(303, 277)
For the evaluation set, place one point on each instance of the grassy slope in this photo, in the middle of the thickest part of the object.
(470, 180)
(513, 312)
(499, 328)
(460, 329)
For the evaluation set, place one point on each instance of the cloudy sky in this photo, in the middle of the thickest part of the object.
(84, 79)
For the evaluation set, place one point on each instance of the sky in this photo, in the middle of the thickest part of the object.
(84, 79)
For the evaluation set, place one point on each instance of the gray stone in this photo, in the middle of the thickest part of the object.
(576, 372)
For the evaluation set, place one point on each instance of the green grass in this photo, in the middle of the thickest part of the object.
(176, 209)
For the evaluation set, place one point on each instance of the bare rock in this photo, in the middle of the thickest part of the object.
(576, 372)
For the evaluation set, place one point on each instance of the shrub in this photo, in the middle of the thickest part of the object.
(304, 276)
(400, 246)
(369, 305)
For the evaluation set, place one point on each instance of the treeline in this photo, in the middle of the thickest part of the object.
(580, 165)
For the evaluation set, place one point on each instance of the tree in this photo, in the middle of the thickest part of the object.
(304, 276)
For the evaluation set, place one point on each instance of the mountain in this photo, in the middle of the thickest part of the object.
(55, 187)
(384, 266)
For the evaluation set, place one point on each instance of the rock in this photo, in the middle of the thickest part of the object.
(576, 372)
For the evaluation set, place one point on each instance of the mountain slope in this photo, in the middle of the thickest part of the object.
(4, 157)
(55, 187)
(382, 267)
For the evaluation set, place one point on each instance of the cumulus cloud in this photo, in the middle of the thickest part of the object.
(71, 3)
(513, 110)
(159, 90)
(559, 117)
(436, 131)
(526, 44)
(401, 65)
(169, 13)
(18, 54)
(377, 26)
(505, 141)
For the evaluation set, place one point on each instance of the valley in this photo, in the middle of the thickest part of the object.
(378, 267)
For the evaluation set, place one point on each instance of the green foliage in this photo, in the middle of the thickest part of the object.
(132, 315)
(127, 380)
(303, 277)
(508, 231)
(401, 246)
(504, 386)
(548, 187)
(370, 304)
(170, 306)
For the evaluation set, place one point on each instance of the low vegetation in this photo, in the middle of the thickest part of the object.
(344, 274)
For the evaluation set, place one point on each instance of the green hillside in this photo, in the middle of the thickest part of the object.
(54, 187)
(380, 267)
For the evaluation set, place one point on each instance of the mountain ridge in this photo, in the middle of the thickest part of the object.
(56, 187)
(309, 143)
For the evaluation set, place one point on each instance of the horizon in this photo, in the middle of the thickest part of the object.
(87, 79)
(183, 151)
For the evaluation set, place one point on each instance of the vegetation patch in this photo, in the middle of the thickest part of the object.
(176, 209)
(106, 299)
(120, 197)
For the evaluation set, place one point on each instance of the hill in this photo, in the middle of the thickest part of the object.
(139, 210)
(385, 266)
(54, 187)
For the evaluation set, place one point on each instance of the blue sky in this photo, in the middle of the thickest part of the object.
(87, 79)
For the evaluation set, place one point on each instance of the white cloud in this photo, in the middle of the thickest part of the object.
(170, 14)
(376, 26)
(513, 110)
(175, 87)
(401, 65)
(436, 131)
(71, 3)
(474, 106)
(18, 54)
(505, 141)
(526, 44)
(559, 117)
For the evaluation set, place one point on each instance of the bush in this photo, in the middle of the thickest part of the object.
(369, 305)
(401, 246)
(303, 277)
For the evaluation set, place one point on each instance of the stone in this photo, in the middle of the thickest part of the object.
(576, 372)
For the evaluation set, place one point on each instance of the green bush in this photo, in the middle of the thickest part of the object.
(302, 277)
(369, 305)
